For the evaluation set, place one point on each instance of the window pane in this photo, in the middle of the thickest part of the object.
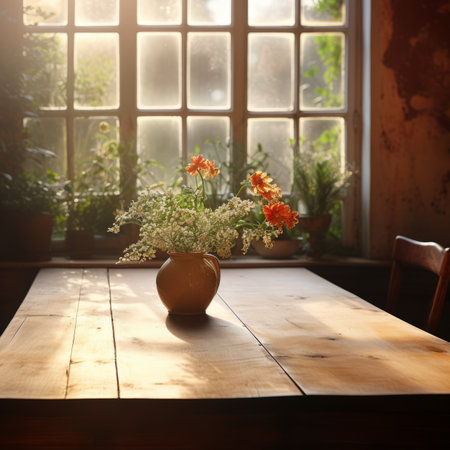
(159, 12)
(323, 135)
(201, 129)
(319, 12)
(54, 12)
(209, 77)
(271, 71)
(96, 12)
(159, 139)
(50, 134)
(274, 135)
(159, 70)
(96, 70)
(271, 12)
(322, 71)
(46, 69)
(209, 12)
(91, 135)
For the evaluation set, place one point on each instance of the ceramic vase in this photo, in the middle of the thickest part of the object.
(187, 282)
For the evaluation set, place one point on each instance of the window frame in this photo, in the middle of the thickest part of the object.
(128, 112)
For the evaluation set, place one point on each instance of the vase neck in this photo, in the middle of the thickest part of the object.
(184, 256)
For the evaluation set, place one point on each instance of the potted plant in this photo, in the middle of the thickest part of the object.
(29, 203)
(101, 187)
(320, 184)
(81, 217)
(284, 246)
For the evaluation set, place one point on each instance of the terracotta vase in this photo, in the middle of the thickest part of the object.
(315, 226)
(187, 282)
(281, 249)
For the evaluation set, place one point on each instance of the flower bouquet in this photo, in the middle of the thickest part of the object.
(179, 222)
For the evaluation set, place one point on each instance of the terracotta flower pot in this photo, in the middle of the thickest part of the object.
(187, 282)
(26, 236)
(281, 249)
(315, 226)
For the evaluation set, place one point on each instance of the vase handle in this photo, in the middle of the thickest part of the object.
(216, 266)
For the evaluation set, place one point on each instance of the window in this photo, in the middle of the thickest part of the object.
(168, 75)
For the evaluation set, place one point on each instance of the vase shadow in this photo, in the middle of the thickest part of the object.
(196, 327)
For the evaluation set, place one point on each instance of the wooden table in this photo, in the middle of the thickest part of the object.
(283, 358)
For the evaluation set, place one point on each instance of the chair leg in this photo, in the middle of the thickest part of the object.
(438, 304)
(394, 287)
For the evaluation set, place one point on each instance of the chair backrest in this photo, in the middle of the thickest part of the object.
(429, 256)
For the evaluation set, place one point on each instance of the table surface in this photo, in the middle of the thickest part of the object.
(269, 332)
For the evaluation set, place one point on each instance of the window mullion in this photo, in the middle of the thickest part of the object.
(239, 82)
(184, 82)
(128, 93)
(70, 91)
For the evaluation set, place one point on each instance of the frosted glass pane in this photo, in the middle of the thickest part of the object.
(159, 139)
(96, 70)
(271, 12)
(159, 12)
(318, 12)
(55, 12)
(209, 12)
(201, 129)
(322, 71)
(90, 136)
(159, 70)
(209, 77)
(97, 12)
(271, 71)
(50, 134)
(323, 135)
(46, 81)
(274, 135)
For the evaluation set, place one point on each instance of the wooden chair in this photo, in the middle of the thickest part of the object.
(429, 256)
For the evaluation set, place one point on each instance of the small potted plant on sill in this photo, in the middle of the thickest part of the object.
(29, 204)
(81, 218)
(284, 246)
(320, 184)
(105, 183)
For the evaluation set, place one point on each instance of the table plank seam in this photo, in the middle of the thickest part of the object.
(113, 331)
(18, 328)
(74, 334)
(263, 346)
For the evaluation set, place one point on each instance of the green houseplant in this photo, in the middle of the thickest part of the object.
(29, 204)
(320, 184)
(99, 189)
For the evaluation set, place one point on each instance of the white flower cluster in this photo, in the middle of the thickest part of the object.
(267, 235)
(178, 222)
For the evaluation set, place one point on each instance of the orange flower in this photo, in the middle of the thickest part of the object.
(273, 195)
(198, 163)
(211, 171)
(278, 213)
(261, 185)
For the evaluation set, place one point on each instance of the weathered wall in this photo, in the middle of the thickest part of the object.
(410, 134)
